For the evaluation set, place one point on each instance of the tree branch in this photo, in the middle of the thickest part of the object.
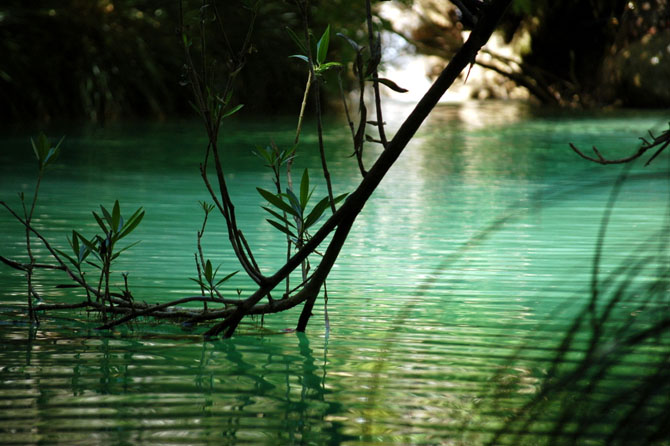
(663, 141)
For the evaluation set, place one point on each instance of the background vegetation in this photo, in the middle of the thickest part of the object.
(107, 59)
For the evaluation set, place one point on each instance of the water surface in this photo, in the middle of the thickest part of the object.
(464, 286)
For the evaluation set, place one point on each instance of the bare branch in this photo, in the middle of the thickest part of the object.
(663, 141)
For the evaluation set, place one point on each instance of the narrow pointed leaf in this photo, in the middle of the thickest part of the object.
(297, 40)
(95, 265)
(51, 156)
(108, 216)
(281, 228)
(36, 151)
(233, 110)
(199, 282)
(90, 245)
(300, 56)
(392, 85)
(322, 46)
(83, 253)
(116, 216)
(226, 278)
(132, 223)
(60, 142)
(318, 210)
(276, 201)
(100, 223)
(208, 271)
(295, 202)
(42, 145)
(279, 217)
(351, 41)
(74, 242)
(70, 259)
(314, 215)
(126, 248)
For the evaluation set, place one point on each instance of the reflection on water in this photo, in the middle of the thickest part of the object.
(462, 308)
(163, 389)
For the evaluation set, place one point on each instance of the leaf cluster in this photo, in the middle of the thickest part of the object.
(210, 275)
(45, 152)
(290, 213)
(319, 63)
(114, 228)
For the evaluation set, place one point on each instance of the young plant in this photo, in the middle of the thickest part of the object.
(296, 207)
(204, 267)
(275, 159)
(114, 229)
(46, 154)
(319, 62)
(80, 251)
(210, 283)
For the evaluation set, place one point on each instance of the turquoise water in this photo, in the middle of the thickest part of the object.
(460, 297)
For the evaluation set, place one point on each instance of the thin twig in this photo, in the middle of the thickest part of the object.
(663, 141)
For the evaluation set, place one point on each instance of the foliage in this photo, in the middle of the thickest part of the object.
(588, 64)
(297, 209)
(102, 60)
(94, 60)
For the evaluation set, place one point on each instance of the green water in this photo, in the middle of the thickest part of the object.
(449, 305)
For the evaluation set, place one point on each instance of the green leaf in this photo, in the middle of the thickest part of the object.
(304, 190)
(265, 153)
(60, 142)
(95, 265)
(74, 242)
(132, 223)
(116, 216)
(297, 40)
(233, 110)
(100, 222)
(392, 85)
(208, 271)
(207, 207)
(118, 253)
(200, 282)
(316, 213)
(318, 210)
(279, 217)
(322, 46)
(42, 145)
(44, 152)
(51, 156)
(295, 202)
(90, 246)
(74, 262)
(276, 201)
(226, 278)
(351, 41)
(300, 56)
(36, 151)
(287, 155)
(283, 229)
(83, 253)
(108, 217)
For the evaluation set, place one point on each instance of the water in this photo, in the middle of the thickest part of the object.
(461, 296)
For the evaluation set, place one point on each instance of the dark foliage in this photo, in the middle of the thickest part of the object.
(101, 60)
